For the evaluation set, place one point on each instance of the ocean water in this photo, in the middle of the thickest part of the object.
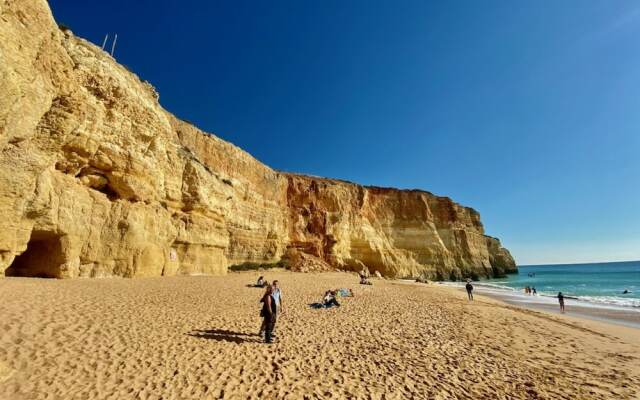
(598, 284)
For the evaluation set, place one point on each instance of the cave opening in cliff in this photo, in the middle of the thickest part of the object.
(41, 259)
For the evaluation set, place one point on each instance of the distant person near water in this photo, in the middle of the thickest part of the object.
(469, 288)
(561, 301)
(268, 313)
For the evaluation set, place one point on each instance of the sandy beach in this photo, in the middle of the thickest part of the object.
(196, 338)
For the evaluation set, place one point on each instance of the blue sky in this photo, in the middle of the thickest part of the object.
(526, 111)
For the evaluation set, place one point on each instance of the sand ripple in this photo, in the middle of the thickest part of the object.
(195, 338)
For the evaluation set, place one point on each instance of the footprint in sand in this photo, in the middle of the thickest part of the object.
(5, 372)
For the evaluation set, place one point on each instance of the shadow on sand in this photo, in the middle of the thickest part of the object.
(224, 335)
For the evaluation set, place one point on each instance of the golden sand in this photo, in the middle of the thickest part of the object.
(195, 338)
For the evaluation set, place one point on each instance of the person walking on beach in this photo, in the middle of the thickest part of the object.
(268, 313)
(469, 288)
(561, 301)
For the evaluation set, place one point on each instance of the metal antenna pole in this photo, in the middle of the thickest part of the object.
(113, 46)
(104, 43)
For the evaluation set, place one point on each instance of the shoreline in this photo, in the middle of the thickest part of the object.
(573, 308)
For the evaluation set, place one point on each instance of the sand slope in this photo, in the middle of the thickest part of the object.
(195, 338)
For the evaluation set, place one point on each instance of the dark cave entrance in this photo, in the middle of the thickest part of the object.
(42, 258)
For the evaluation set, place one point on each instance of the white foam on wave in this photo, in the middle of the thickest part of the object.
(628, 304)
(495, 286)
(483, 285)
(611, 301)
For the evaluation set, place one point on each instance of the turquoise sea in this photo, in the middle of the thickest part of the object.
(599, 284)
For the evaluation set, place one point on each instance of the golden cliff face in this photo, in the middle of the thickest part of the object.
(97, 179)
(401, 233)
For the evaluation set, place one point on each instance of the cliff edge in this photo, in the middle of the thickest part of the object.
(97, 179)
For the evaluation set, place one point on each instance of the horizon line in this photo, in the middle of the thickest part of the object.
(577, 263)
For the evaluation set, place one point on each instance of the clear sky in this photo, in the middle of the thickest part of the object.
(528, 111)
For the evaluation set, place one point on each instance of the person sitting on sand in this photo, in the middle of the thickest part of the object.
(365, 281)
(329, 299)
(469, 288)
(260, 282)
(268, 314)
(561, 301)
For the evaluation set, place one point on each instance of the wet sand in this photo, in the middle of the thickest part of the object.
(195, 338)
(573, 308)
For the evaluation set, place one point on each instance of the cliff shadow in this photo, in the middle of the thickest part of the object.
(224, 335)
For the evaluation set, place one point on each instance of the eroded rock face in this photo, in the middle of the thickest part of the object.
(97, 179)
(401, 233)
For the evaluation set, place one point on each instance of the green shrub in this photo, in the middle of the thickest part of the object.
(250, 266)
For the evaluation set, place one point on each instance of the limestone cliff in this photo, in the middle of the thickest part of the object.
(97, 179)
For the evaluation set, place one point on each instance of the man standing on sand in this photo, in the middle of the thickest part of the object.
(469, 288)
(561, 301)
(277, 295)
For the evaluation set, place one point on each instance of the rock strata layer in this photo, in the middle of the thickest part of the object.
(97, 179)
